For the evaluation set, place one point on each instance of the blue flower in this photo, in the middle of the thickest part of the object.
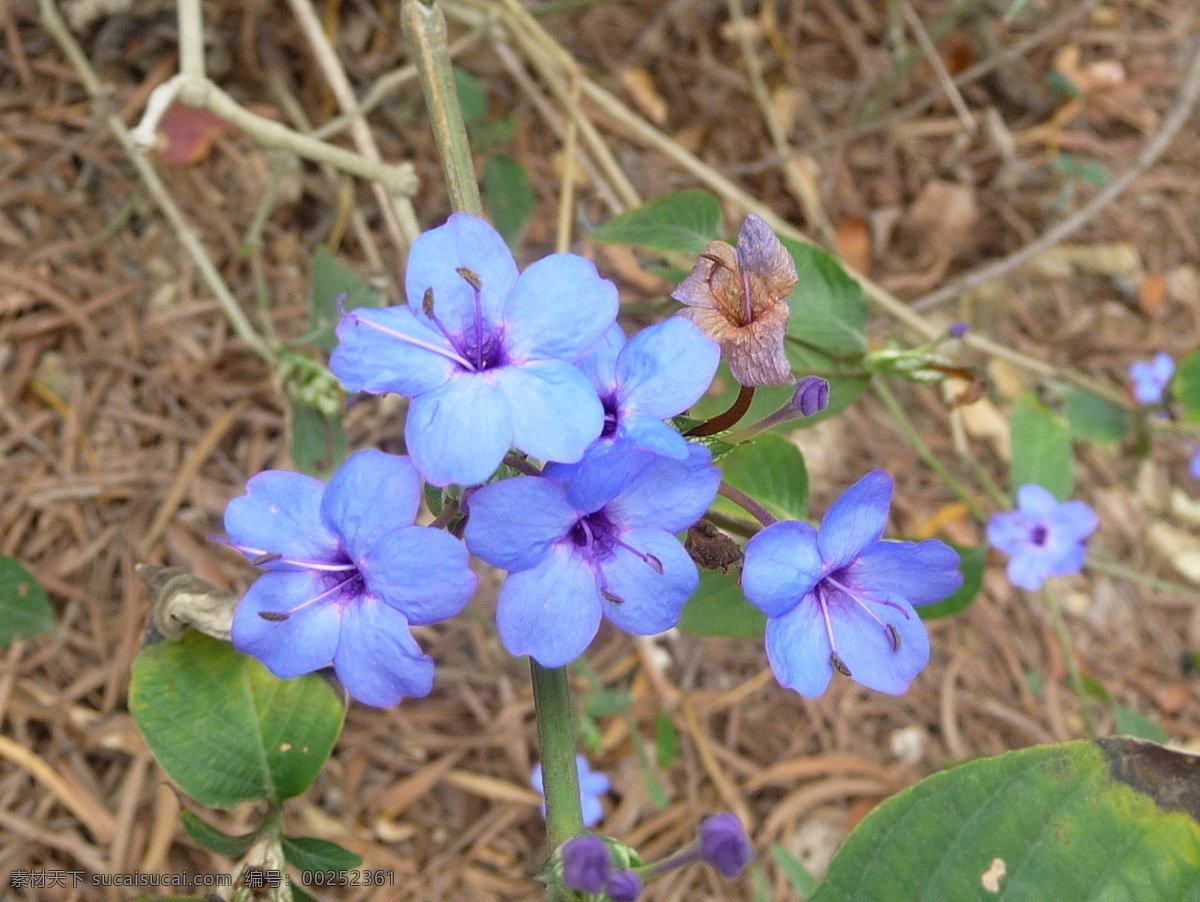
(1150, 377)
(659, 373)
(586, 864)
(347, 574)
(1195, 465)
(487, 355)
(841, 598)
(1045, 537)
(591, 540)
(592, 786)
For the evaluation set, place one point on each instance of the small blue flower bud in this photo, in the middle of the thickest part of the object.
(959, 329)
(587, 863)
(724, 843)
(623, 886)
(811, 395)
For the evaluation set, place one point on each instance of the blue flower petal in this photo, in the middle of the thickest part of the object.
(920, 572)
(460, 432)
(855, 520)
(464, 242)
(665, 368)
(652, 601)
(1009, 531)
(551, 612)
(377, 660)
(1028, 569)
(591, 782)
(370, 494)
(559, 309)
(600, 364)
(782, 565)
(1074, 520)
(866, 648)
(514, 523)
(669, 494)
(605, 471)
(1069, 560)
(555, 412)
(389, 350)
(653, 435)
(591, 809)
(798, 649)
(305, 641)
(280, 514)
(1036, 502)
(424, 573)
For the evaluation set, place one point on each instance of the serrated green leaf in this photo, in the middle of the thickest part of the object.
(24, 606)
(224, 728)
(718, 608)
(331, 279)
(684, 221)
(829, 309)
(802, 881)
(471, 96)
(508, 196)
(1041, 448)
(307, 853)
(1093, 419)
(666, 740)
(971, 563)
(1098, 821)
(1187, 387)
(771, 470)
(209, 837)
(318, 442)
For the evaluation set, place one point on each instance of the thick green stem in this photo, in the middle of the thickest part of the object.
(556, 735)
(425, 29)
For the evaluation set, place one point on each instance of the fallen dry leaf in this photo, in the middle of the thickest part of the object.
(640, 85)
(853, 239)
(1152, 292)
(187, 134)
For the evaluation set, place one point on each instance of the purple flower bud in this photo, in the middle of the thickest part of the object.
(623, 886)
(724, 843)
(811, 395)
(959, 329)
(587, 863)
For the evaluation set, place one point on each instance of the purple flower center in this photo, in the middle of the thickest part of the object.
(596, 538)
(341, 584)
(480, 346)
(611, 416)
(838, 588)
(1038, 535)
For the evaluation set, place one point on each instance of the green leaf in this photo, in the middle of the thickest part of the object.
(24, 606)
(209, 837)
(971, 563)
(829, 309)
(299, 895)
(311, 854)
(1093, 419)
(508, 197)
(1133, 723)
(771, 470)
(1086, 821)
(1041, 448)
(1187, 387)
(604, 701)
(471, 96)
(718, 608)
(666, 739)
(318, 441)
(224, 728)
(331, 279)
(803, 882)
(684, 221)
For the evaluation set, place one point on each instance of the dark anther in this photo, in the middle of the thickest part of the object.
(655, 564)
(472, 279)
(609, 596)
(427, 302)
(838, 664)
(266, 558)
(894, 635)
(274, 616)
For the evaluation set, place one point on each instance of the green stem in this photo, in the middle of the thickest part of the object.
(556, 735)
(1154, 582)
(1073, 674)
(425, 29)
(923, 450)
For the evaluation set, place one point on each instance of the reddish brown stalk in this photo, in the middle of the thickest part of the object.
(729, 418)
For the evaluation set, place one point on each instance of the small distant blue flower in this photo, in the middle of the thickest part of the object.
(842, 598)
(1045, 537)
(1150, 377)
(1195, 465)
(657, 374)
(487, 355)
(591, 540)
(347, 574)
(592, 787)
